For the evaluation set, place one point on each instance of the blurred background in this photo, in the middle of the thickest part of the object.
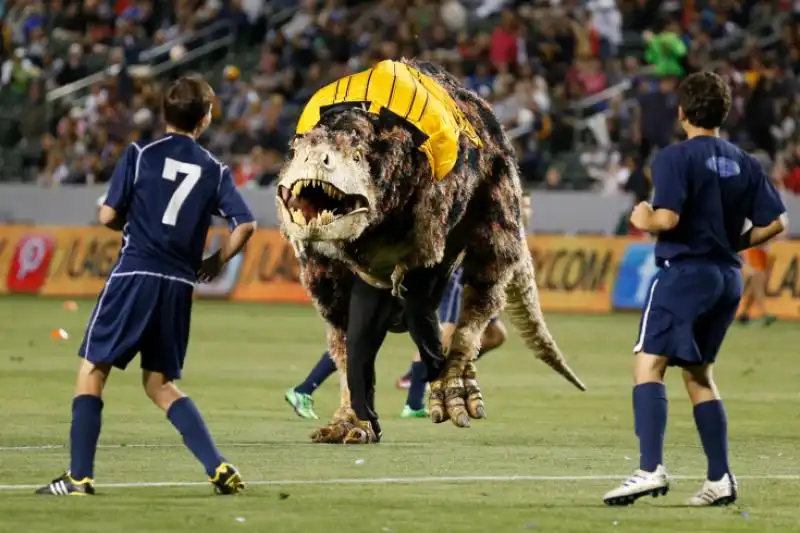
(585, 88)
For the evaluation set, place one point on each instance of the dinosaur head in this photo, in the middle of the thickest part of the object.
(337, 181)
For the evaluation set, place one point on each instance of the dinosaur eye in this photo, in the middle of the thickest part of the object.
(357, 157)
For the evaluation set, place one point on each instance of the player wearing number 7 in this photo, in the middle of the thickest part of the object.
(162, 196)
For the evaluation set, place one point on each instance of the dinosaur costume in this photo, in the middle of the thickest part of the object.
(399, 169)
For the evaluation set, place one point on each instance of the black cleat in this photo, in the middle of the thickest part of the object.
(66, 486)
(227, 480)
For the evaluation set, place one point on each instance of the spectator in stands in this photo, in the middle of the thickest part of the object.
(762, 108)
(18, 72)
(531, 61)
(607, 20)
(74, 68)
(656, 115)
(666, 50)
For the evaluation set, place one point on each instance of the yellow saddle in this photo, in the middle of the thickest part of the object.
(409, 95)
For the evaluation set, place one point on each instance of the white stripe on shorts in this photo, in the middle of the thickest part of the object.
(643, 330)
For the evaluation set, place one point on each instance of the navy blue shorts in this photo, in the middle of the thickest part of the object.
(691, 305)
(140, 313)
(450, 306)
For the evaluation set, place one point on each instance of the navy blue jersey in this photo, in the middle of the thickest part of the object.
(167, 192)
(714, 187)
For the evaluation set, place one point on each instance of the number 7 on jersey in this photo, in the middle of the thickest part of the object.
(173, 167)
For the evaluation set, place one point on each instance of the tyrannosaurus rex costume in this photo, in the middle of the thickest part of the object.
(400, 168)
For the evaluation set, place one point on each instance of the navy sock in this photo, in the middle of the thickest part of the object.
(324, 368)
(187, 420)
(83, 435)
(650, 416)
(416, 390)
(712, 424)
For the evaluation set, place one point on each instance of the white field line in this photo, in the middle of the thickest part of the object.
(399, 481)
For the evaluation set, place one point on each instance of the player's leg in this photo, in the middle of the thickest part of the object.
(163, 353)
(756, 294)
(449, 311)
(720, 487)
(415, 399)
(656, 336)
(758, 286)
(300, 396)
(186, 418)
(111, 339)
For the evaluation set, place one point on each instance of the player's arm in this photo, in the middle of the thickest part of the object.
(669, 182)
(232, 207)
(113, 211)
(767, 213)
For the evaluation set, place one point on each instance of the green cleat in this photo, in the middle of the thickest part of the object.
(414, 413)
(303, 404)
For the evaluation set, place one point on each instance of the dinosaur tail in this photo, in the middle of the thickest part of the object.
(525, 312)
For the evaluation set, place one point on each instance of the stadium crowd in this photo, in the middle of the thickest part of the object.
(533, 61)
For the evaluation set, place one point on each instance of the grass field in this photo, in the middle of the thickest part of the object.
(541, 462)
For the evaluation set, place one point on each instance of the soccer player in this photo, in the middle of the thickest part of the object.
(711, 201)
(162, 196)
(756, 293)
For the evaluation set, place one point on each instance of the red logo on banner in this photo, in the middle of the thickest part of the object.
(30, 263)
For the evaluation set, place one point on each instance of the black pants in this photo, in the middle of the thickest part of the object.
(374, 312)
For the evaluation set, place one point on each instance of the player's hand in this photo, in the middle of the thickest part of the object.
(641, 215)
(210, 269)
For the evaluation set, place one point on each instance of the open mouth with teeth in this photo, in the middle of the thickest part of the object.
(318, 203)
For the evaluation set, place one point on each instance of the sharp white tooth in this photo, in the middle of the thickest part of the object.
(298, 187)
(297, 217)
(327, 188)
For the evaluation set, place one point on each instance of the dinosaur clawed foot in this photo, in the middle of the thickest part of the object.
(457, 397)
(345, 428)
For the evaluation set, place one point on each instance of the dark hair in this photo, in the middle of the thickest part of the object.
(186, 102)
(705, 99)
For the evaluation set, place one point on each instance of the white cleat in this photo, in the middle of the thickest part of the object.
(714, 493)
(640, 484)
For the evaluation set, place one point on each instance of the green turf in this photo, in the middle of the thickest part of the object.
(242, 359)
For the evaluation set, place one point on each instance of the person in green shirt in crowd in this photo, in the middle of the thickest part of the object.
(666, 50)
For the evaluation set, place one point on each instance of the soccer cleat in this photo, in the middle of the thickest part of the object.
(640, 484)
(227, 480)
(66, 486)
(743, 319)
(768, 320)
(715, 493)
(303, 404)
(408, 412)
